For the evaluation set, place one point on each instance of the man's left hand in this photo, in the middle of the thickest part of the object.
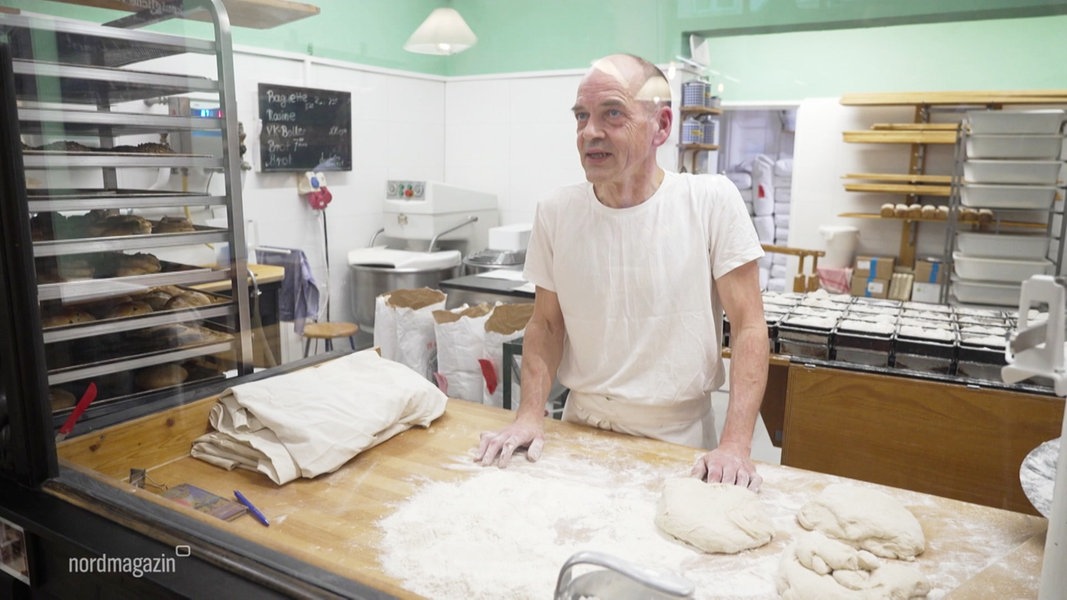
(727, 466)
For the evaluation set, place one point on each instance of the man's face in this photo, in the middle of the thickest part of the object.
(616, 130)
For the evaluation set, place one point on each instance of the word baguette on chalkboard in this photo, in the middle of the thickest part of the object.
(304, 129)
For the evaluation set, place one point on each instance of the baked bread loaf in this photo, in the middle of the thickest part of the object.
(75, 267)
(929, 211)
(900, 210)
(132, 308)
(915, 211)
(125, 225)
(156, 298)
(65, 146)
(61, 398)
(172, 225)
(160, 376)
(188, 299)
(67, 316)
(888, 210)
(140, 263)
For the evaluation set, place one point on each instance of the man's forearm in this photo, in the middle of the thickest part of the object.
(749, 355)
(541, 352)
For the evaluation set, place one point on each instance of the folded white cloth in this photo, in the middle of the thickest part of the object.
(312, 421)
(784, 167)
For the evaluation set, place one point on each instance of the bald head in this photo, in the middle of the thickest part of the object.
(644, 80)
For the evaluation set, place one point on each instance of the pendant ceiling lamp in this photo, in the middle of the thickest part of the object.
(444, 32)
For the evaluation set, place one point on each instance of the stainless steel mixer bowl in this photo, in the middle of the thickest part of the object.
(367, 282)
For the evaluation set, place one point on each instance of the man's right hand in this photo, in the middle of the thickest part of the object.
(497, 447)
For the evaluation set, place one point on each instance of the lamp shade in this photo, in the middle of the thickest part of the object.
(443, 32)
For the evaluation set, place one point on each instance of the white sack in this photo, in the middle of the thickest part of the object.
(460, 335)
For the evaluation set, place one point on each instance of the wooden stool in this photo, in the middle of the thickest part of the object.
(327, 331)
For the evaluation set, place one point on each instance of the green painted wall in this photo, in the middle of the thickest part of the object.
(765, 50)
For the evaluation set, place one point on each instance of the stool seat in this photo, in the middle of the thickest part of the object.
(328, 330)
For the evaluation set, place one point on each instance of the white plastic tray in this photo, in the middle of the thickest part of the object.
(1020, 197)
(1048, 147)
(998, 269)
(1035, 172)
(1002, 245)
(1016, 121)
(979, 292)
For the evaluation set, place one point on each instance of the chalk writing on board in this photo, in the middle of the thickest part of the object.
(304, 129)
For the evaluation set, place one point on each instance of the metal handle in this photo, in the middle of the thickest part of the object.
(662, 583)
(433, 242)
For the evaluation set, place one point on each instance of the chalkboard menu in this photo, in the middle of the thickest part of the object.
(304, 129)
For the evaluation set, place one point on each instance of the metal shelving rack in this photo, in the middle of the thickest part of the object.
(71, 78)
(1049, 218)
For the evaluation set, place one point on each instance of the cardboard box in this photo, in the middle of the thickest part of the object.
(929, 270)
(870, 288)
(926, 292)
(874, 267)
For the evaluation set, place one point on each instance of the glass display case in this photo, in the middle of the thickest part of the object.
(106, 187)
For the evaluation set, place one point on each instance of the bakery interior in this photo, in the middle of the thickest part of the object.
(208, 194)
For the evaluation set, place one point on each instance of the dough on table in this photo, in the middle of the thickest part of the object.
(864, 518)
(714, 517)
(815, 566)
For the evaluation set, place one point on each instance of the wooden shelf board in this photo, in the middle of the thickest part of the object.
(900, 188)
(955, 98)
(915, 126)
(912, 178)
(254, 14)
(1002, 224)
(900, 137)
(700, 110)
(699, 146)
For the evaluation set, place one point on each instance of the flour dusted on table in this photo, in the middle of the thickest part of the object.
(505, 533)
(492, 533)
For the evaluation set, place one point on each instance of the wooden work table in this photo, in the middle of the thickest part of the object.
(331, 522)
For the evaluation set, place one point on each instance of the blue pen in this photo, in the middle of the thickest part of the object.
(252, 508)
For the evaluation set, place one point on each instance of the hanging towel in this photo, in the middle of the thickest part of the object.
(298, 300)
(314, 420)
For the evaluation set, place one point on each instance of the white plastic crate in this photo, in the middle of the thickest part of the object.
(1046, 121)
(998, 269)
(1020, 197)
(1002, 245)
(1048, 147)
(1035, 172)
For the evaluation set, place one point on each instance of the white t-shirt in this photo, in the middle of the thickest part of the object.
(636, 285)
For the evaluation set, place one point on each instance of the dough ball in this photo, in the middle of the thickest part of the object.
(864, 518)
(888, 210)
(815, 566)
(714, 517)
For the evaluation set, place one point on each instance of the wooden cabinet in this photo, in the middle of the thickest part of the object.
(946, 439)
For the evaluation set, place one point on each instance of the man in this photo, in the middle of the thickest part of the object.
(632, 271)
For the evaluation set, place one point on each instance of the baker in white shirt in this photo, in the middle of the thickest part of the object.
(633, 270)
